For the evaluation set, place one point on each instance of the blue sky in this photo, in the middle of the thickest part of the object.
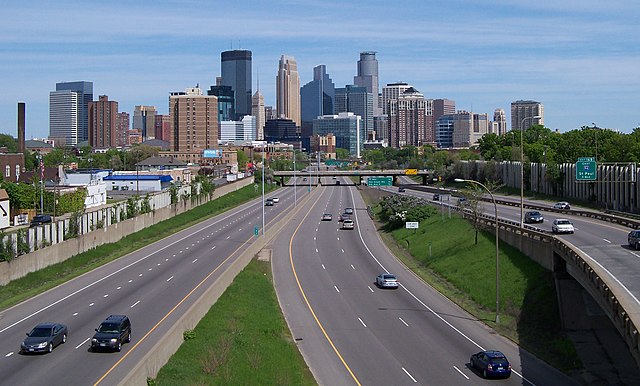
(580, 58)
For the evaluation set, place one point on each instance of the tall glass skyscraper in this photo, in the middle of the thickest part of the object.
(368, 76)
(317, 96)
(288, 89)
(356, 100)
(345, 127)
(236, 73)
(69, 112)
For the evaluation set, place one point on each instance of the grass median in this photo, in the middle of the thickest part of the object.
(37, 282)
(242, 340)
(444, 254)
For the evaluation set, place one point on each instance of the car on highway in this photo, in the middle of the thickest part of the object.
(268, 202)
(348, 210)
(348, 224)
(112, 333)
(327, 217)
(533, 217)
(436, 197)
(337, 182)
(562, 225)
(386, 280)
(491, 364)
(44, 338)
(633, 238)
(344, 217)
(276, 199)
(401, 190)
(562, 205)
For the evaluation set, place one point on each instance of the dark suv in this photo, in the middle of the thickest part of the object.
(533, 217)
(633, 238)
(115, 330)
(40, 219)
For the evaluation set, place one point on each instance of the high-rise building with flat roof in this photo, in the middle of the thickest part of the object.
(392, 91)
(357, 100)
(122, 129)
(194, 123)
(144, 120)
(499, 124)
(443, 107)
(368, 77)
(257, 110)
(468, 128)
(317, 96)
(236, 73)
(103, 123)
(69, 112)
(522, 113)
(347, 129)
(163, 127)
(288, 90)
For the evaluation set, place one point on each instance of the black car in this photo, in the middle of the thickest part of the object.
(633, 238)
(401, 190)
(533, 216)
(268, 202)
(491, 364)
(112, 333)
(436, 197)
(40, 219)
(44, 337)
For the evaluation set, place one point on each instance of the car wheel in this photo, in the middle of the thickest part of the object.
(119, 347)
(128, 338)
(64, 338)
(50, 347)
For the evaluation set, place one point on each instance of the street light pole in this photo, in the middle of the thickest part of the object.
(264, 149)
(522, 167)
(295, 196)
(495, 207)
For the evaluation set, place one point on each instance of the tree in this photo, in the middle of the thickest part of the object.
(9, 142)
(243, 159)
(342, 153)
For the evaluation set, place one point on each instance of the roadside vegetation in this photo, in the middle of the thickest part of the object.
(37, 282)
(242, 340)
(444, 253)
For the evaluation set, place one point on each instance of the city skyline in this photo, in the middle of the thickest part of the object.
(577, 58)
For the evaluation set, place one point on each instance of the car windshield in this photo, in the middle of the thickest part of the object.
(564, 222)
(389, 277)
(534, 213)
(502, 361)
(40, 332)
(108, 327)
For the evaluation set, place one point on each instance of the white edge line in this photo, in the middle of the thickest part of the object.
(410, 376)
(403, 322)
(362, 322)
(370, 289)
(135, 304)
(169, 279)
(336, 288)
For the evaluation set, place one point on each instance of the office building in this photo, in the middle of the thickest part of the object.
(163, 127)
(390, 92)
(443, 107)
(236, 73)
(103, 116)
(226, 102)
(356, 100)
(122, 129)
(499, 124)
(444, 131)
(381, 128)
(288, 90)
(317, 96)
(368, 77)
(347, 129)
(258, 111)
(325, 144)
(144, 120)
(407, 120)
(238, 132)
(468, 128)
(522, 113)
(193, 121)
(69, 112)
(281, 130)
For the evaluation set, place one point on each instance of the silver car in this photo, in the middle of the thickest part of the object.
(562, 225)
(386, 280)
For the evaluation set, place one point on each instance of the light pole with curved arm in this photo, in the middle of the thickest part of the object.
(522, 167)
(495, 206)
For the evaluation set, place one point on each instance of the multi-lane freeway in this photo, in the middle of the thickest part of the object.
(352, 332)
(152, 286)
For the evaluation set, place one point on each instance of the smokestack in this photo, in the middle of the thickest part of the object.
(21, 120)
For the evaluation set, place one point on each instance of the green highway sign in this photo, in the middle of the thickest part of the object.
(380, 181)
(586, 169)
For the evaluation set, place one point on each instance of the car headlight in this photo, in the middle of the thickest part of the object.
(113, 340)
(94, 340)
(43, 344)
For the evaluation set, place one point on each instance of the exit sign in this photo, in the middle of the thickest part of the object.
(380, 181)
(586, 169)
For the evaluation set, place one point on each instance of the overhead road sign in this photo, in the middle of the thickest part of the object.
(411, 172)
(380, 181)
(586, 169)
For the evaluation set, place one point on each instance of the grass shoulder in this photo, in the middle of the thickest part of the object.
(242, 340)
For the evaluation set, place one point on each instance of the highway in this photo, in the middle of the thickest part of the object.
(351, 332)
(152, 286)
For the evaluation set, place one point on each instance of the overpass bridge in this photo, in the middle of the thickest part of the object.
(426, 175)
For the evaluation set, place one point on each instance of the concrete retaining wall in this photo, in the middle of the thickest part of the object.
(110, 233)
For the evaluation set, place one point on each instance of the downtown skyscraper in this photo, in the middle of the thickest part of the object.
(103, 119)
(236, 73)
(317, 97)
(288, 90)
(69, 112)
(368, 77)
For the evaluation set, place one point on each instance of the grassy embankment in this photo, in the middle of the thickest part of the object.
(242, 340)
(49, 277)
(442, 251)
